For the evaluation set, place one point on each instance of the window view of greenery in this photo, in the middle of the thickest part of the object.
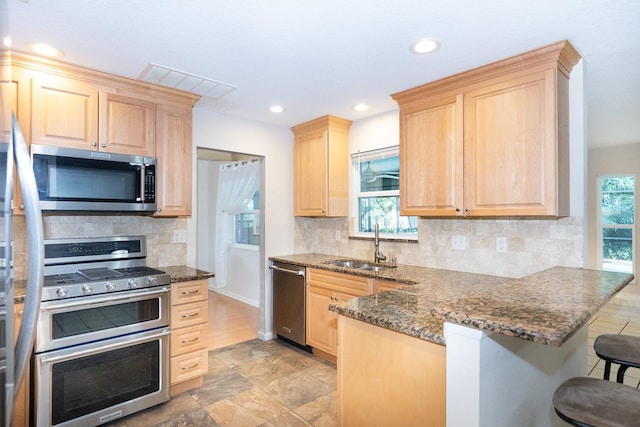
(378, 201)
(247, 223)
(618, 219)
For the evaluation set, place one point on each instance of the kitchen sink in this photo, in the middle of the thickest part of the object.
(356, 264)
(348, 263)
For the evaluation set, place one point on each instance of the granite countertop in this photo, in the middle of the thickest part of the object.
(183, 273)
(546, 307)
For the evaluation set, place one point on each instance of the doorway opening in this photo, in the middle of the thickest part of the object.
(229, 241)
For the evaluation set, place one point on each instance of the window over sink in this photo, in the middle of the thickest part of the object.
(377, 195)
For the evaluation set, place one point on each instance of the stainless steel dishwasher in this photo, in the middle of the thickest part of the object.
(289, 303)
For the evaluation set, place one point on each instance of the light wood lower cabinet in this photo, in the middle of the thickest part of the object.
(189, 331)
(324, 288)
(386, 378)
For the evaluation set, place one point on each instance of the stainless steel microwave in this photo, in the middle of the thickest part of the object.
(71, 180)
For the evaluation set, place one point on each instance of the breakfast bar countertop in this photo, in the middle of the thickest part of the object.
(545, 307)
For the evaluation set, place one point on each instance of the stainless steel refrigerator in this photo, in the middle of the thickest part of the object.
(16, 173)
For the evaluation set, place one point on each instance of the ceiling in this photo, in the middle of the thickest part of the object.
(325, 56)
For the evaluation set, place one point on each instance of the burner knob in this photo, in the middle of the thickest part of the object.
(62, 292)
(151, 280)
(132, 283)
(110, 286)
(87, 289)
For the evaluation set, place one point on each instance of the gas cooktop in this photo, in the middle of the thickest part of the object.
(90, 266)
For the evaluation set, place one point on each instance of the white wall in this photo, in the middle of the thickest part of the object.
(220, 132)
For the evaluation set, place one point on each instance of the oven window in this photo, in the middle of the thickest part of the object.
(80, 322)
(91, 383)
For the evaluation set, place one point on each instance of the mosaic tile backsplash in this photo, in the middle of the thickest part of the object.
(160, 251)
(532, 244)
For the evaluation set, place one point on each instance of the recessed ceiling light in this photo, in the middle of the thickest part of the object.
(361, 107)
(276, 109)
(425, 46)
(45, 50)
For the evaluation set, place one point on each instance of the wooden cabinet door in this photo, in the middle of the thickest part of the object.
(431, 158)
(64, 113)
(8, 100)
(174, 153)
(126, 125)
(14, 95)
(510, 147)
(320, 334)
(310, 174)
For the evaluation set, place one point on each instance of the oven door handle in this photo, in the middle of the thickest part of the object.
(126, 342)
(107, 298)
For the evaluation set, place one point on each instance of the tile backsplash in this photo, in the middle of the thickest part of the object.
(160, 251)
(531, 244)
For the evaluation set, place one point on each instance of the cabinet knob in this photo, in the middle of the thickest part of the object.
(457, 209)
(21, 207)
(467, 210)
(94, 144)
(103, 145)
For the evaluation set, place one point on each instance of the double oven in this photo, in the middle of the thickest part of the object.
(102, 340)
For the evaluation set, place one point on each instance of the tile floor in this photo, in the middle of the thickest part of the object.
(253, 383)
(257, 383)
(614, 318)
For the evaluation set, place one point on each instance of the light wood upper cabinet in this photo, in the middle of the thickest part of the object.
(174, 152)
(75, 114)
(321, 167)
(126, 125)
(492, 141)
(64, 112)
(15, 95)
(431, 162)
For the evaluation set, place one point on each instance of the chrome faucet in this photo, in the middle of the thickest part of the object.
(377, 256)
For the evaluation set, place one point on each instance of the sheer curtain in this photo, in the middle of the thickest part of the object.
(237, 182)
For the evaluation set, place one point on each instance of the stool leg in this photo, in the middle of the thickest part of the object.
(607, 369)
(621, 370)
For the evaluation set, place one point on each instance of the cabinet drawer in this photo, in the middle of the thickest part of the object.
(347, 283)
(184, 292)
(189, 314)
(188, 366)
(192, 338)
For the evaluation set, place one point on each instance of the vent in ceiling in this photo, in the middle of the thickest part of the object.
(165, 76)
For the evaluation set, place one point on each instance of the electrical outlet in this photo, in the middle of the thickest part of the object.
(458, 243)
(338, 235)
(501, 244)
(179, 236)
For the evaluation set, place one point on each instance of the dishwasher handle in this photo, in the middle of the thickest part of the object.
(286, 270)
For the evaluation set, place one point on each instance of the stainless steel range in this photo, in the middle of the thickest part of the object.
(102, 339)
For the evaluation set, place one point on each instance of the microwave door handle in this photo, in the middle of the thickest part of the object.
(35, 251)
(142, 182)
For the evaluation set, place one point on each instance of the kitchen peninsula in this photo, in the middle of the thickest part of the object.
(473, 349)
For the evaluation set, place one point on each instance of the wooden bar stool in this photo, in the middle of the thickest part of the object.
(623, 350)
(592, 402)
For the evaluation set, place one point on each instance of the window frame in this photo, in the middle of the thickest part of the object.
(256, 221)
(601, 226)
(355, 193)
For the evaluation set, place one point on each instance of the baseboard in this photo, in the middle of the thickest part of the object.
(266, 336)
(235, 296)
